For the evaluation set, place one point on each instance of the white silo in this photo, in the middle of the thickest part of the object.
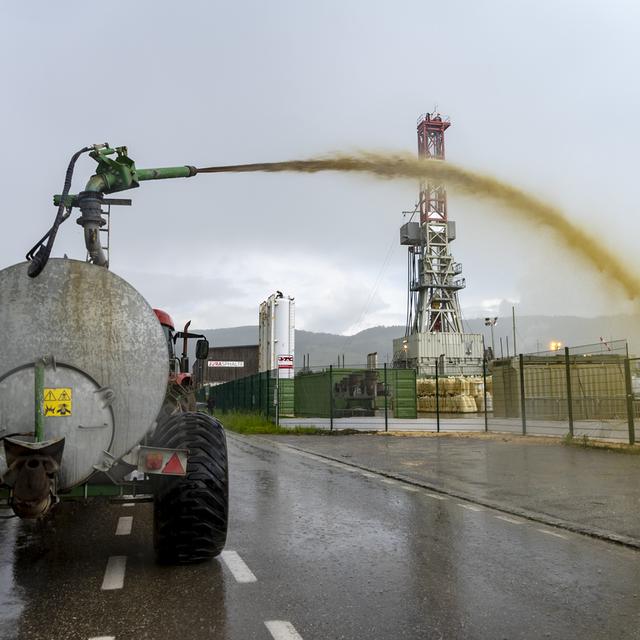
(277, 334)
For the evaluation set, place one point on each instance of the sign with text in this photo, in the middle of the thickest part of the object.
(285, 362)
(229, 364)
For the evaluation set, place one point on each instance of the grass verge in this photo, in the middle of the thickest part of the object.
(256, 423)
(585, 442)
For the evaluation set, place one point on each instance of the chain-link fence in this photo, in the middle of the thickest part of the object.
(330, 396)
(591, 391)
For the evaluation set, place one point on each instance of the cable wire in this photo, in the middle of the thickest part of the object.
(39, 254)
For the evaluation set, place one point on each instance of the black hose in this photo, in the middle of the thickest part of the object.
(39, 254)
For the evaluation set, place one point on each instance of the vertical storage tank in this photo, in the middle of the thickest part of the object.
(277, 335)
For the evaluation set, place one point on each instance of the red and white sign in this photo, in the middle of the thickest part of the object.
(229, 364)
(285, 362)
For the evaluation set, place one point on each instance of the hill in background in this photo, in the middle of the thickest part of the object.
(533, 334)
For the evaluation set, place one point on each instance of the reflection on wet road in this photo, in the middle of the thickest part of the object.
(316, 550)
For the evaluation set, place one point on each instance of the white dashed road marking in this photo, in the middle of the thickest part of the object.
(282, 630)
(237, 566)
(552, 533)
(508, 519)
(103, 638)
(128, 504)
(114, 574)
(124, 526)
(407, 487)
(470, 507)
(436, 496)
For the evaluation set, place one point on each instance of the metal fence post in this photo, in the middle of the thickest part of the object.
(484, 379)
(630, 403)
(567, 365)
(331, 397)
(523, 411)
(268, 374)
(276, 398)
(386, 403)
(437, 399)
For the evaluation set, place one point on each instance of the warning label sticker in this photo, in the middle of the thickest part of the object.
(57, 402)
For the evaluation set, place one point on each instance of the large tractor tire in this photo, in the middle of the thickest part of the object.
(190, 512)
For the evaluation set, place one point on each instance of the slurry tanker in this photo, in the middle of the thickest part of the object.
(93, 401)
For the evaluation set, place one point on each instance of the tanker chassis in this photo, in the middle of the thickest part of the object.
(92, 403)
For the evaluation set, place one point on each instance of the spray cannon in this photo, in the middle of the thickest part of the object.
(113, 174)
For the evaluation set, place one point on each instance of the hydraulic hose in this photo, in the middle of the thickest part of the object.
(39, 254)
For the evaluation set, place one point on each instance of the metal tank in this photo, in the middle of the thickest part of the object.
(277, 334)
(104, 358)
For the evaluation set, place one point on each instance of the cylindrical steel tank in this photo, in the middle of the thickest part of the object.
(277, 335)
(107, 361)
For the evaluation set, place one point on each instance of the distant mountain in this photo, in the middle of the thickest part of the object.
(533, 333)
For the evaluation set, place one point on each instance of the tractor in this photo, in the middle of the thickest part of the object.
(93, 401)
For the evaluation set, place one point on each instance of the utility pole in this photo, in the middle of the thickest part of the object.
(513, 316)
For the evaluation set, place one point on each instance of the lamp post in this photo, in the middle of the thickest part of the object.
(491, 322)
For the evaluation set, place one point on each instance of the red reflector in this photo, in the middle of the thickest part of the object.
(174, 466)
(154, 461)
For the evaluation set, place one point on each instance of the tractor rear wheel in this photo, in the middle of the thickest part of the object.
(190, 512)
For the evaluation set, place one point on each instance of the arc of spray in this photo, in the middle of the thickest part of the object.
(525, 205)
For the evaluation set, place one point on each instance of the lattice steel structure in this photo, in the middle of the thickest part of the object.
(433, 285)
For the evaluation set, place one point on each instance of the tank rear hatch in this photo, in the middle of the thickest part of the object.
(106, 361)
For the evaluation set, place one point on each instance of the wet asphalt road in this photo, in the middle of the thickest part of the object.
(336, 553)
(593, 490)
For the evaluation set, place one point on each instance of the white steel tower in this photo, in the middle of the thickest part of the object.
(434, 330)
(433, 285)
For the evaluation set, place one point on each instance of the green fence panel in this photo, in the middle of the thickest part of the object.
(312, 395)
(402, 383)
(286, 397)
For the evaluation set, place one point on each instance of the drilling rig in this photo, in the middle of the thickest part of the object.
(434, 330)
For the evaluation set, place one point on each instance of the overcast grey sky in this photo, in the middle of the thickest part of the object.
(544, 94)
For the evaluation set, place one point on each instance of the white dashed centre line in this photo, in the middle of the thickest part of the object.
(470, 507)
(124, 526)
(114, 574)
(282, 630)
(436, 496)
(103, 638)
(508, 519)
(552, 533)
(128, 504)
(238, 567)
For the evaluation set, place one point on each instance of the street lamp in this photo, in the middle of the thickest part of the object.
(405, 347)
(491, 322)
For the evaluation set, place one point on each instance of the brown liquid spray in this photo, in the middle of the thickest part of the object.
(527, 207)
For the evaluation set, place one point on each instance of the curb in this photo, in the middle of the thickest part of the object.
(534, 516)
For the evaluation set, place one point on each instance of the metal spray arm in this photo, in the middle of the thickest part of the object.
(112, 175)
(119, 174)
